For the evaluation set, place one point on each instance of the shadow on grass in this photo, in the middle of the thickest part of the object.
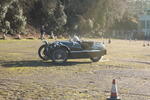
(147, 55)
(142, 62)
(35, 63)
(136, 61)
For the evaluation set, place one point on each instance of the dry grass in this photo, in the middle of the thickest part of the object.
(24, 75)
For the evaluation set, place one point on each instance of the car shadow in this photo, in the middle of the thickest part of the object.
(142, 62)
(36, 63)
(147, 55)
(137, 61)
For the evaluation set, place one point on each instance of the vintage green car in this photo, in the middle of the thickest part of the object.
(60, 51)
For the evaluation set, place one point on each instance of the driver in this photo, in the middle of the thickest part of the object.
(76, 39)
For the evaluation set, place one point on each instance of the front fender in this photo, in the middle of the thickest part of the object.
(45, 42)
(60, 45)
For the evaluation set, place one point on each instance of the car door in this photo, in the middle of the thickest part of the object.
(76, 46)
(77, 51)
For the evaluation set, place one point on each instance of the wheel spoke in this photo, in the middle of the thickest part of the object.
(59, 55)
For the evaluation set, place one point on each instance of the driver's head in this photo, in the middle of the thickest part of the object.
(76, 38)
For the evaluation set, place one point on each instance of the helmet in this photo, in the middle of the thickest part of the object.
(76, 38)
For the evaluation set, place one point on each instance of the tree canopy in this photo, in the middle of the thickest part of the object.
(61, 16)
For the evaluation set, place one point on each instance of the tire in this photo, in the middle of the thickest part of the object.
(60, 55)
(95, 59)
(42, 52)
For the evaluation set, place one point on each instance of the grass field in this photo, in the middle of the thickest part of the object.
(24, 76)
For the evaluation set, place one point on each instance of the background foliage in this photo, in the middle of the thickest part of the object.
(66, 16)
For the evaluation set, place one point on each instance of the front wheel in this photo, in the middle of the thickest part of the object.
(96, 58)
(43, 53)
(59, 55)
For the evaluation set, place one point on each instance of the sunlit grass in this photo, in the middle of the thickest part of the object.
(19, 58)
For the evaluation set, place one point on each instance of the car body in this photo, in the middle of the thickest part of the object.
(63, 50)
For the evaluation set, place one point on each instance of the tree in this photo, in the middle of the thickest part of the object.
(11, 16)
(82, 16)
(101, 13)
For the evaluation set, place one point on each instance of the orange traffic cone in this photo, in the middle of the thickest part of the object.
(114, 92)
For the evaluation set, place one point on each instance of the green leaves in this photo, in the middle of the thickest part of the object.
(82, 16)
(11, 15)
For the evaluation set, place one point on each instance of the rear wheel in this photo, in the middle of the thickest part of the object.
(96, 58)
(42, 52)
(59, 55)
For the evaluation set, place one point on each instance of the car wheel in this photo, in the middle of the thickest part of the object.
(42, 52)
(95, 59)
(59, 55)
